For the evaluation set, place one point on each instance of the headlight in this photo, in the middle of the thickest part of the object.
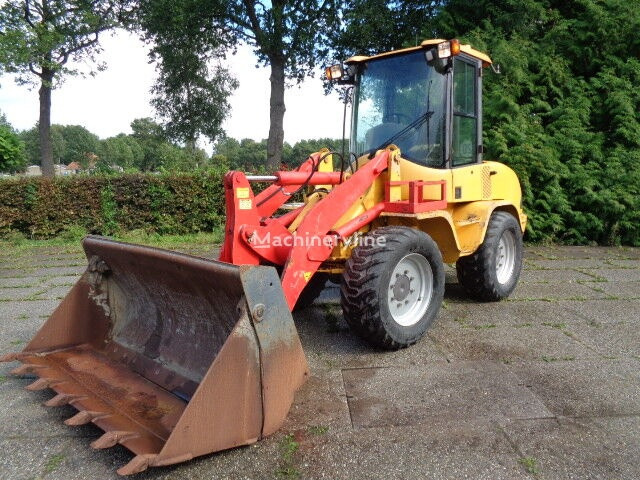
(334, 72)
(445, 50)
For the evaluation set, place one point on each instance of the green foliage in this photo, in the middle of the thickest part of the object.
(246, 154)
(298, 153)
(80, 145)
(168, 203)
(109, 210)
(71, 143)
(31, 139)
(122, 150)
(374, 26)
(12, 152)
(564, 113)
(289, 36)
(192, 88)
(40, 37)
(249, 155)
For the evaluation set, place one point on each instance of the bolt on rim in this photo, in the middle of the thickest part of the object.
(506, 257)
(410, 289)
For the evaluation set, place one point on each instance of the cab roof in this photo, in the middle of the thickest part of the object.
(468, 49)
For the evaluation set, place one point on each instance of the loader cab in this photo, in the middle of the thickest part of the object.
(426, 100)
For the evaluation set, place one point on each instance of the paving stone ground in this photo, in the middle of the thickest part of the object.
(545, 385)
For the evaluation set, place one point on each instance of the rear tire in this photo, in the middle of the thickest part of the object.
(392, 287)
(491, 273)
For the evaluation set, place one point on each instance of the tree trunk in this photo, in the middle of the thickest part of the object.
(276, 114)
(44, 126)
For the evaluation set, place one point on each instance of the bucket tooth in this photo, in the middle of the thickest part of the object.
(138, 464)
(111, 438)
(62, 399)
(26, 369)
(43, 383)
(84, 417)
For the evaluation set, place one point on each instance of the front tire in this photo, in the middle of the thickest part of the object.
(491, 273)
(393, 286)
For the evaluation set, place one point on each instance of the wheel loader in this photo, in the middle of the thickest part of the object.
(175, 356)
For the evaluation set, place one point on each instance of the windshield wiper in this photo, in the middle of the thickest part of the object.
(417, 123)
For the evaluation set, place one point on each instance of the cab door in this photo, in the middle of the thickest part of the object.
(465, 158)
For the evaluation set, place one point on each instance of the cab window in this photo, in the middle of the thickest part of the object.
(464, 148)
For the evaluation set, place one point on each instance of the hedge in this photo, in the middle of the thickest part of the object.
(189, 203)
(165, 204)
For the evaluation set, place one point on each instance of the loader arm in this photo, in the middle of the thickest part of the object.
(252, 239)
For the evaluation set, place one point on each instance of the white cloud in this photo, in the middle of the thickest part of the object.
(106, 104)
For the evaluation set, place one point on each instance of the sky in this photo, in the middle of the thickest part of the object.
(107, 103)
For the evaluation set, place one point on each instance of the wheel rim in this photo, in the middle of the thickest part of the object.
(410, 289)
(506, 256)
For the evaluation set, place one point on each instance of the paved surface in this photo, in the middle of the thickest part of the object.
(543, 386)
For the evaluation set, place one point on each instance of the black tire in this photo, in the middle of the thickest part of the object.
(478, 273)
(367, 286)
(312, 291)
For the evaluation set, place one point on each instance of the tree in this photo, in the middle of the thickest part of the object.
(122, 150)
(565, 112)
(374, 26)
(79, 144)
(39, 37)
(291, 36)
(246, 154)
(149, 136)
(302, 149)
(69, 143)
(12, 154)
(192, 88)
(158, 153)
(31, 139)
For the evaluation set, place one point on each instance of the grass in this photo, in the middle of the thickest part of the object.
(318, 429)
(174, 241)
(16, 342)
(566, 358)
(594, 276)
(461, 320)
(530, 465)
(482, 327)
(72, 244)
(288, 448)
(35, 295)
(331, 318)
(26, 285)
(3, 378)
(53, 463)
(559, 326)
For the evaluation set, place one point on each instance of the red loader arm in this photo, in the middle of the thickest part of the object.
(253, 237)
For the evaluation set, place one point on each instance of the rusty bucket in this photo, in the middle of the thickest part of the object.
(173, 356)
